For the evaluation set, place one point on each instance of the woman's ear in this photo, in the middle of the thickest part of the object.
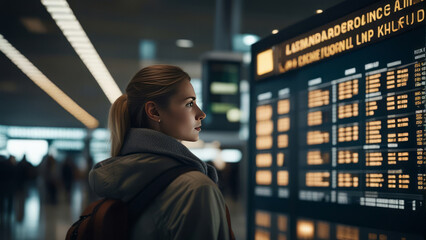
(152, 112)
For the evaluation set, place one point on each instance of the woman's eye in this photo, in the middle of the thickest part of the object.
(190, 104)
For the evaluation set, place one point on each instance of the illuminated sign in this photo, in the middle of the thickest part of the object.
(366, 26)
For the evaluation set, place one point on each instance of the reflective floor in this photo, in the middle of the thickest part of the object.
(32, 212)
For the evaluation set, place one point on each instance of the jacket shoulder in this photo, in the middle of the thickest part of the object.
(191, 207)
(194, 179)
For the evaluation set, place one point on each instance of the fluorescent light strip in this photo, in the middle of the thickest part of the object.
(43, 132)
(71, 28)
(44, 83)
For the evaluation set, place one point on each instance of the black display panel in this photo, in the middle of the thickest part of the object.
(338, 140)
(221, 94)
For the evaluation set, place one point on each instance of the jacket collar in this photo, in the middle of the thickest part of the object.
(144, 140)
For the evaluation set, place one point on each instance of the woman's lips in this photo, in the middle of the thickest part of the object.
(198, 128)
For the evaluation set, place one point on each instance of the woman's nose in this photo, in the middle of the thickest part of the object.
(201, 114)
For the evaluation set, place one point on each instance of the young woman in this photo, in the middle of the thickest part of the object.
(147, 124)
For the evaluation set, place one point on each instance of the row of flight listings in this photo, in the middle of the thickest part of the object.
(363, 132)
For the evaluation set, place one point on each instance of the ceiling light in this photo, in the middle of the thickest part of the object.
(85, 51)
(72, 30)
(68, 145)
(275, 31)
(74, 33)
(79, 45)
(249, 39)
(56, 3)
(44, 83)
(63, 16)
(319, 11)
(79, 39)
(58, 9)
(43, 132)
(69, 25)
(184, 43)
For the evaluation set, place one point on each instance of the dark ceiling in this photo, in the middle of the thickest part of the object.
(115, 29)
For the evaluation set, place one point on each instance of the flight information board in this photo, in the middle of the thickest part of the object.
(338, 126)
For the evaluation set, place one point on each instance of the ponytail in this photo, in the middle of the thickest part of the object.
(118, 123)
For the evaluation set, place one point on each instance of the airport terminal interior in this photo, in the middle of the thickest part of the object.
(315, 110)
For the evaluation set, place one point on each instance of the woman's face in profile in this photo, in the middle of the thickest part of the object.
(182, 119)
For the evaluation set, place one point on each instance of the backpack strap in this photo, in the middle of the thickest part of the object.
(138, 204)
(90, 211)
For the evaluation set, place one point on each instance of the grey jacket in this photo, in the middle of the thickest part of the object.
(191, 207)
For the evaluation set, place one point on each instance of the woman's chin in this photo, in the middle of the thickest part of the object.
(192, 138)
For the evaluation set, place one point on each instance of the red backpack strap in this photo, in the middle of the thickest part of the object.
(104, 219)
(110, 221)
(228, 220)
(85, 221)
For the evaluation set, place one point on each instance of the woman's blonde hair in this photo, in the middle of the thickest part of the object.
(156, 83)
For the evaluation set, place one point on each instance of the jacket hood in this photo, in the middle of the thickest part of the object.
(145, 154)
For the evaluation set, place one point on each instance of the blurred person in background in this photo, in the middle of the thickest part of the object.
(50, 179)
(7, 187)
(68, 173)
(147, 125)
(26, 173)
